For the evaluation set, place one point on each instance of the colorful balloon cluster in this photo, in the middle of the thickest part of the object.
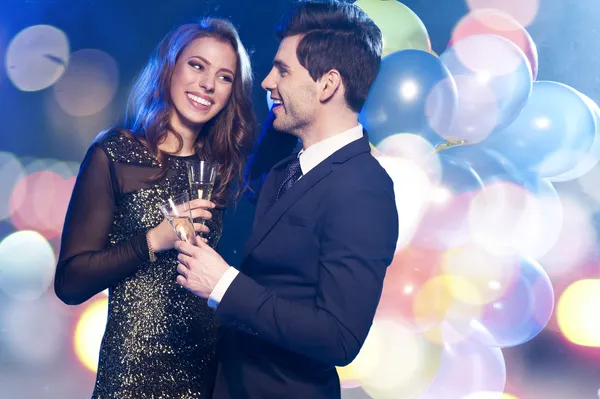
(473, 142)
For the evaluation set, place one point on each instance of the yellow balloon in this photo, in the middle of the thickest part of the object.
(401, 28)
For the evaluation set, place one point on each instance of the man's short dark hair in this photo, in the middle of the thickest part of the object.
(337, 36)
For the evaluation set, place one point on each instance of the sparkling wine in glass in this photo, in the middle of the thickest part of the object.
(201, 176)
(177, 211)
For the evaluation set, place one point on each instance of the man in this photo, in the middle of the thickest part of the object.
(325, 227)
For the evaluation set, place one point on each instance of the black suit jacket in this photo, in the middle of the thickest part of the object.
(310, 280)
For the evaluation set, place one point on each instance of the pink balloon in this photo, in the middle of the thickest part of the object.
(496, 22)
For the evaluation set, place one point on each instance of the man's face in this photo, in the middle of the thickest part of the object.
(293, 91)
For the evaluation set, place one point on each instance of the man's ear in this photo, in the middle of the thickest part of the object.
(330, 84)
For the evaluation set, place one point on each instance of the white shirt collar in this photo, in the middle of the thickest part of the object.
(318, 152)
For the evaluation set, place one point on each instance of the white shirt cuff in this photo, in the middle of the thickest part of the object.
(219, 291)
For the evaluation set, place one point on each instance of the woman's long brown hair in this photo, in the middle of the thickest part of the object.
(227, 138)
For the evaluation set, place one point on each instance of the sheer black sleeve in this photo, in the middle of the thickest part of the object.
(272, 147)
(86, 264)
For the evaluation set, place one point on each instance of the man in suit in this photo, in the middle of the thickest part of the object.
(326, 224)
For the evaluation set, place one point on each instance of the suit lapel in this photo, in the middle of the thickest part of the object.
(268, 190)
(263, 223)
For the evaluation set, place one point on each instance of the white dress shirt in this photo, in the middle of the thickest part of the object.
(309, 158)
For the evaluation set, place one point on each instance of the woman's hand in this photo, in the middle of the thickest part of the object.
(163, 236)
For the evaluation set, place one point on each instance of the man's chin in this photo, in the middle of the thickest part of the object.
(280, 127)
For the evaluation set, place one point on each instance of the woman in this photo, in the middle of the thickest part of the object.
(192, 100)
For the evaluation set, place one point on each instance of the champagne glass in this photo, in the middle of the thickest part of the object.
(201, 175)
(179, 214)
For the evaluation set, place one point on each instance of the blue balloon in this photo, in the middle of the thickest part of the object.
(413, 93)
(553, 132)
(493, 79)
(458, 176)
(491, 166)
(593, 157)
(523, 310)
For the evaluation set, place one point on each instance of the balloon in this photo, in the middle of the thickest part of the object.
(400, 26)
(552, 133)
(493, 81)
(413, 93)
(514, 212)
(410, 270)
(489, 165)
(444, 223)
(590, 160)
(496, 22)
(506, 218)
(524, 309)
(485, 276)
(467, 366)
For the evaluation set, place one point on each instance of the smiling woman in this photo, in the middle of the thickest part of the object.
(191, 102)
(201, 84)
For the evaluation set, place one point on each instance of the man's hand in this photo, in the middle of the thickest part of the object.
(200, 268)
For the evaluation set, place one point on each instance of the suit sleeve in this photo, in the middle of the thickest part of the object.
(357, 244)
(272, 146)
(86, 265)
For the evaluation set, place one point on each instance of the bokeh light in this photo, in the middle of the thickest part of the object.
(37, 57)
(35, 331)
(11, 172)
(78, 132)
(89, 332)
(40, 201)
(487, 56)
(444, 299)
(505, 218)
(467, 367)
(396, 362)
(64, 169)
(27, 265)
(489, 275)
(577, 313)
(408, 146)
(89, 84)
(410, 270)
(444, 222)
(497, 22)
(523, 311)
(576, 242)
(411, 188)
(523, 11)
(490, 395)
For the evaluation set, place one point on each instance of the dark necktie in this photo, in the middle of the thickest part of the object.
(290, 175)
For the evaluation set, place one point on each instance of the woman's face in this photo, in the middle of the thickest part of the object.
(202, 82)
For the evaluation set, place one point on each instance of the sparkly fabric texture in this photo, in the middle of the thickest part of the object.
(160, 339)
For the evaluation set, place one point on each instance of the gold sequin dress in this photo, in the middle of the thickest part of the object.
(160, 339)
